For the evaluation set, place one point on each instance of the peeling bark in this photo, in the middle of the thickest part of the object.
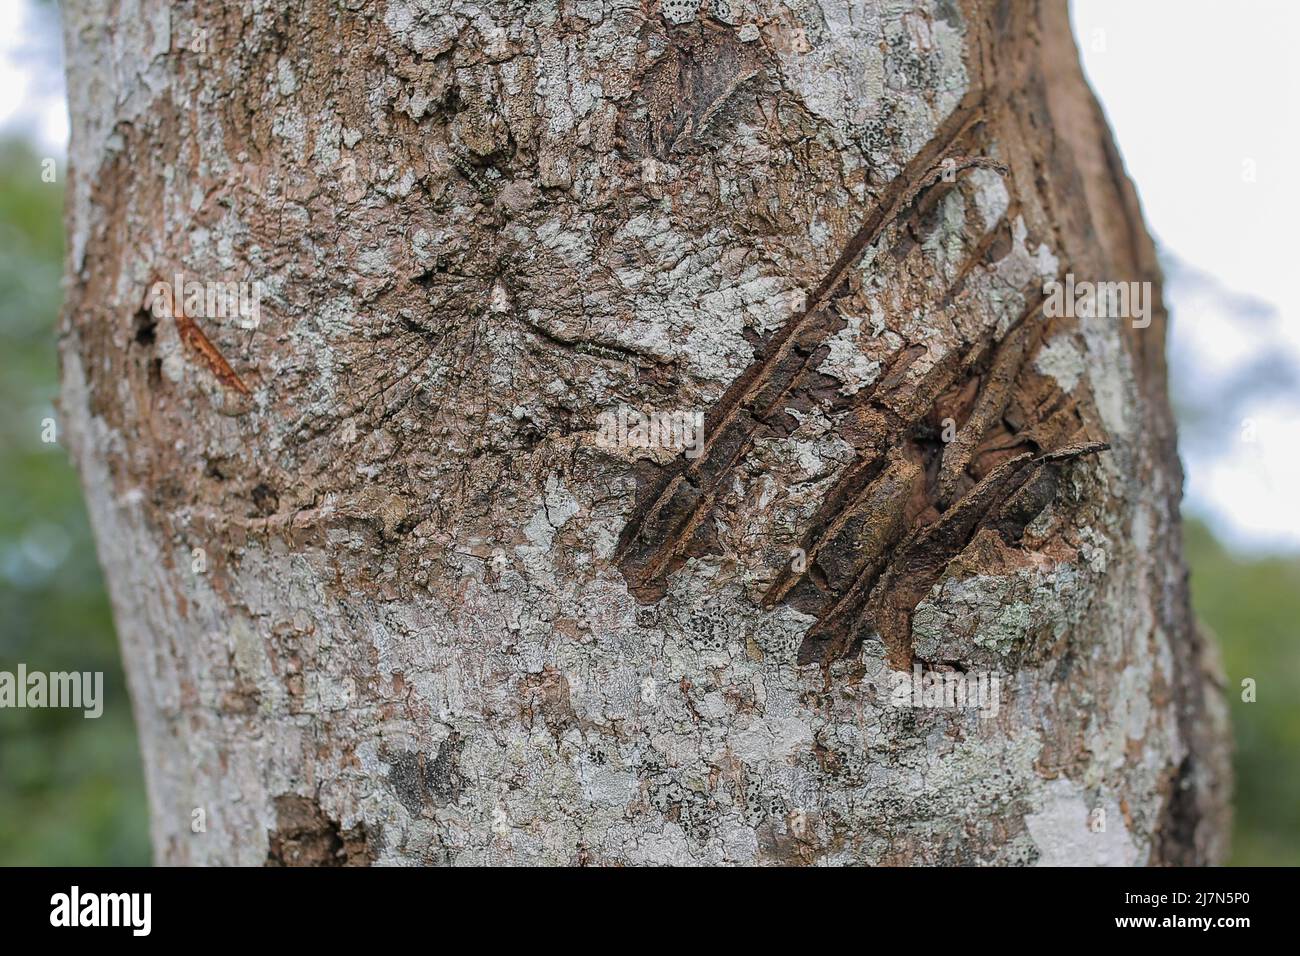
(383, 595)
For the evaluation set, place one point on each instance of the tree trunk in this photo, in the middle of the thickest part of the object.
(397, 574)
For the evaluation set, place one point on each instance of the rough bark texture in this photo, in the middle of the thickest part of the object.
(436, 621)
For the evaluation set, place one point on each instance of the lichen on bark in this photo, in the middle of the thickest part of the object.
(439, 621)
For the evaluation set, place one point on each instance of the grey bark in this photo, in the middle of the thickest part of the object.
(387, 594)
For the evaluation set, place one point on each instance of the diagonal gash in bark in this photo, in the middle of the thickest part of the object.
(664, 523)
(900, 506)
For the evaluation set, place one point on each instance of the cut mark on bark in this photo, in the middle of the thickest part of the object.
(990, 403)
(673, 513)
(910, 504)
(1006, 500)
(194, 339)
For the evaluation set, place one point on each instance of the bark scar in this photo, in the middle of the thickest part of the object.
(909, 505)
(194, 339)
(674, 512)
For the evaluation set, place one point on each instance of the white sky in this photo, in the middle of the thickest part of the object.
(31, 86)
(1203, 97)
(1202, 94)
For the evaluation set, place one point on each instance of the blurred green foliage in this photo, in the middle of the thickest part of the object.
(71, 790)
(1252, 606)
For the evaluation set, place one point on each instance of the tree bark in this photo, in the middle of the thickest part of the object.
(391, 589)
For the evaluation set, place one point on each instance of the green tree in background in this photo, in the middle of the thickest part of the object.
(71, 791)
(1252, 607)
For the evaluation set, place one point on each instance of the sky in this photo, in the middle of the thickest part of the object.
(1202, 97)
(31, 75)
